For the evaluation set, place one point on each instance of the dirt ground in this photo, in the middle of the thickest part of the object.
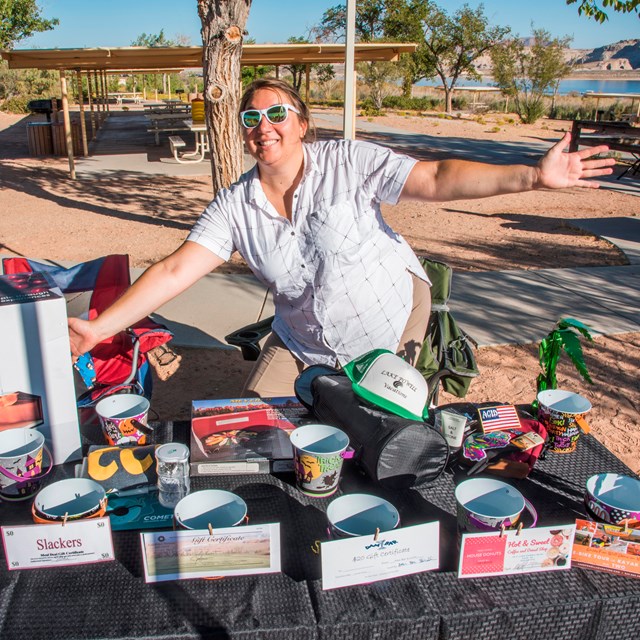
(46, 215)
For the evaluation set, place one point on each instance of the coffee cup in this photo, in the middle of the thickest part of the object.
(484, 504)
(452, 425)
(21, 458)
(360, 514)
(562, 414)
(210, 509)
(318, 452)
(70, 499)
(123, 417)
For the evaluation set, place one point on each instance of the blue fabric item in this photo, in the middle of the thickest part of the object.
(81, 277)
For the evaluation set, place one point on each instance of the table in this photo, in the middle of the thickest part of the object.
(202, 140)
(618, 136)
(617, 96)
(111, 600)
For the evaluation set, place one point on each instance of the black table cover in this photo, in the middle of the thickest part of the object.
(112, 600)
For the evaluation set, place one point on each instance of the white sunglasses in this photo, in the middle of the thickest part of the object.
(275, 114)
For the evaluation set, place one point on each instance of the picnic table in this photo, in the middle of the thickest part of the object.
(121, 95)
(112, 600)
(202, 143)
(618, 136)
(165, 122)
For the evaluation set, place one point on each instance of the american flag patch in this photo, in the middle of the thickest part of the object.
(503, 416)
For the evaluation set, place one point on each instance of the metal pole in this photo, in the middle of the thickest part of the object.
(349, 115)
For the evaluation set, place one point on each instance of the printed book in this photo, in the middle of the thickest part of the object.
(244, 435)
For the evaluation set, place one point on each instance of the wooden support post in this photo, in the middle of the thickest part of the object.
(94, 127)
(307, 73)
(83, 124)
(277, 72)
(349, 110)
(105, 89)
(67, 124)
(169, 84)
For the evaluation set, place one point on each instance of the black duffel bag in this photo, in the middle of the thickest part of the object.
(396, 452)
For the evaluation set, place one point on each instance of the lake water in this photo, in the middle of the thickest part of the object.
(569, 85)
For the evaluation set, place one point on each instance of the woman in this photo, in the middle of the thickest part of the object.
(307, 220)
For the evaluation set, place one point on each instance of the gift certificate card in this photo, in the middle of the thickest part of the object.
(607, 547)
(232, 551)
(398, 552)
(58, 545)
(524, 551)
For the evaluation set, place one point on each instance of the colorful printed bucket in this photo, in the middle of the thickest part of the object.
(21, 456)
(562, 414)
(318, 452)
(613, 498)
(211, 508)
(71, 499)
(123, 417)
(485, 504)
(359, 514)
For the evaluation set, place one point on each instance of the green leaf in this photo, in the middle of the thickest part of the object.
(573, 348)
(565, 323)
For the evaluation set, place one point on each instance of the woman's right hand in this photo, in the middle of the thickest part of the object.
(81, 336)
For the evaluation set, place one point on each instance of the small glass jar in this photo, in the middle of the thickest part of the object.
(172, 466)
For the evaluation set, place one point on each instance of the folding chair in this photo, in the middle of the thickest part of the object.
(116, 365)
(446, 356)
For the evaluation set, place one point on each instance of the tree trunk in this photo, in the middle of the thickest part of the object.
(448, 99)
(223, 23)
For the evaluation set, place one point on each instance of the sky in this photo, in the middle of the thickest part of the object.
(117, 23)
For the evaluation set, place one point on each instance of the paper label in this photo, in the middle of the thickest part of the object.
(57, 545)
(362, 559)
(231, 551)
(526, 551)
(607, 548)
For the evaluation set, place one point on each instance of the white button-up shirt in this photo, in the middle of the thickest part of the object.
(340, 277)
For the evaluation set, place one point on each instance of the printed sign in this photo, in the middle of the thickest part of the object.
(232, 551)
(524, 551)
(58, 545)
(607, 548)
(398, 552)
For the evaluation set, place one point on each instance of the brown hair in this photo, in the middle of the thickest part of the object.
(292, 95)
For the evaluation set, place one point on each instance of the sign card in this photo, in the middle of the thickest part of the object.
(524, 551)
(58, 545)
(607, 548)
(230, 551)
(395, 553)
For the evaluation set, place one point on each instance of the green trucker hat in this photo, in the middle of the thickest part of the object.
(387, 381)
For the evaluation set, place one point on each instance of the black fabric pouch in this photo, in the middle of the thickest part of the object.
(396, 452)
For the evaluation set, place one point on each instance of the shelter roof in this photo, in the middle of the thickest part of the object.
(155, 58)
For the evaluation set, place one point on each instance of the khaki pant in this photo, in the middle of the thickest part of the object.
(276, 369)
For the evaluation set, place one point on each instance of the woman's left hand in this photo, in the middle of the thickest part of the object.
(559, 170)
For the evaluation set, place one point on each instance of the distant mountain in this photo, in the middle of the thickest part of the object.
(619, 56)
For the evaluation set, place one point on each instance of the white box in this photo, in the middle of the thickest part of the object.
(35, 357)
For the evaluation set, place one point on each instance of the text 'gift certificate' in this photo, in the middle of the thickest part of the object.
(233, 551)
(524, 551)
(395, 553)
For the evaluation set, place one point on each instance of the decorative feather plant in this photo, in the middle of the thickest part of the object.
(564, 337)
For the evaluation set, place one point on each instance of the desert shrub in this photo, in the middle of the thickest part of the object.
(531, 111)
(412, 104)
(459, 103)
(16, 104)
(368, 109)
